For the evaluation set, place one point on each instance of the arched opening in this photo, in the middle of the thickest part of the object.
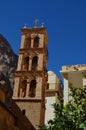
(36, 42)
(32, 89)
(34, 63)
(28, 42)
(23, 88)
(26, 63)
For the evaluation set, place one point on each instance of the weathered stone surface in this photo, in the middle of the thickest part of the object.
(8, 63)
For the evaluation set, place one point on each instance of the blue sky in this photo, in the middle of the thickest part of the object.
(65, 21)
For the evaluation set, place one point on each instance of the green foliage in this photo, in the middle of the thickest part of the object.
(72, 116)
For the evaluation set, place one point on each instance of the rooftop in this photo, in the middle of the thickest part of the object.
(73, 67)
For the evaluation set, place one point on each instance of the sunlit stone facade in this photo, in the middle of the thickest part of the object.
(31, 75)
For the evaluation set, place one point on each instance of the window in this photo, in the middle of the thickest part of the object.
(34, 63)
(36, 42)
(23, 88)
(32, 89)
(47, 86)
(28, 42)
(26, 63)
(23, 111)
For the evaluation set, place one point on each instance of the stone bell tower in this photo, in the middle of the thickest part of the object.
(31, 74)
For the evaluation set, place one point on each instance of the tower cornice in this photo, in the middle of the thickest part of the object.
(37, 30)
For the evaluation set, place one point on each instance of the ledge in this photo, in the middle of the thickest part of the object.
(27, 100)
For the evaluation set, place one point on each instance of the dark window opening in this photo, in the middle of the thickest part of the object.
(32, 89)
(47, 86)
(34, 63)
(28, 42)
(36, 42)
(23, 111)
(23, 88)
(26, 63)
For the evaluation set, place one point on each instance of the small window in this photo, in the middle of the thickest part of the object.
(34, 63)
(32, 89)
(27, 43)
(36, 42)
(23, 111)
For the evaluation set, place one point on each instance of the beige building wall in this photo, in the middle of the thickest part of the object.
(32, 110)
(54, 87)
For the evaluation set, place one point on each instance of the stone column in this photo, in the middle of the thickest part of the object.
(66, 91)
(20, 62)
(32, 42)
(22, 41)
(16, 87)
(30, 63)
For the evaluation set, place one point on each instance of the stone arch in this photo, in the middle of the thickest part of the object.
(34, 62)
(32, 89)
(36, 42)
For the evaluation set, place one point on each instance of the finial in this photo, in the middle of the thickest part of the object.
(25, 25)
(42, 24)
(36, 22)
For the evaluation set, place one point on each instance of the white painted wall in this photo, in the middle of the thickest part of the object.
(49, 113)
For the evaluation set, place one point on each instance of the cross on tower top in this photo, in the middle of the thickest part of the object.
(36, 22)
(25, 25)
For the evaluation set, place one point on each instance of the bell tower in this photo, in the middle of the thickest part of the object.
(31, 75)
